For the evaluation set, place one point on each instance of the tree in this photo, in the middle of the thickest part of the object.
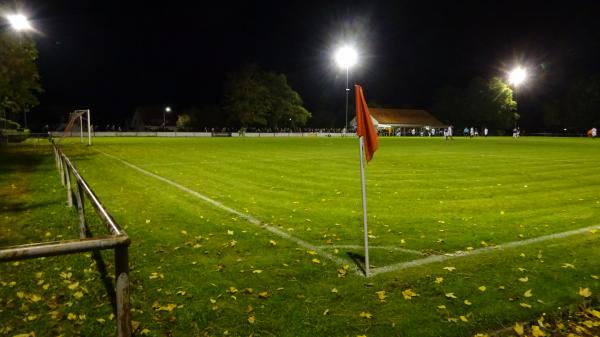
(254, 97)
(19, 78)
(184, 122)
(483, 103)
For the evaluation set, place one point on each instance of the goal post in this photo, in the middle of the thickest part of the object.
(79, 116)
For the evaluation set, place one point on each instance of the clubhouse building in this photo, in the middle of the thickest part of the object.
(404, 122)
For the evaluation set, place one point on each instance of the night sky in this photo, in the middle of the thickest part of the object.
(113, 57)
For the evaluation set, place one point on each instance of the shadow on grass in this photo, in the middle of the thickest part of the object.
(359, 260)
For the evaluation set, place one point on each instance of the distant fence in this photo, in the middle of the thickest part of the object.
(117, 239)
(208, 134)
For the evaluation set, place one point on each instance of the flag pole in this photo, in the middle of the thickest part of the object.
(364, 203)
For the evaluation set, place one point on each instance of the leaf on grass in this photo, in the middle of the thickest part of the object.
(467, 302)
(32, 317)
(522, 270)
(100, 320)
(441, 306)
(595, 277)
(73, 285)
(169, 307)
(232, 290)
(311, 252)
(229, 232)
(365, 314)
(568, 265)
(463, 318)
(264, 294)
(71, 316)
(316, 261)
(334, 290)
(528, 293)
(145, 332)
(439, 280)
(523, 279)
(257, 271)
(381, 295)
(251, 319)
(273, 242)
(78, 294)
(450, 268)
(585, 292)
(519, 329)
(536, 331)
(525, 305)
(408, 294)
(184, 232)
(482, 288)
(31, 334)
(35, 298)
(451, 295)
(325, 312)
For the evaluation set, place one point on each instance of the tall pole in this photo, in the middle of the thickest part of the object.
(364, 203)
(89, 128)
(347, 92)
(81, 128)
(164, 120)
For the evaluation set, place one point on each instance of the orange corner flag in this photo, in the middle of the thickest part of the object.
(364, 124)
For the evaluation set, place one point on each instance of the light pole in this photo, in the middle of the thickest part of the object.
(515, 78)
(346, 57)
(167, 110)
(19, 23)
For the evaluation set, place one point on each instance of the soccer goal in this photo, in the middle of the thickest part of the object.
(76, 121)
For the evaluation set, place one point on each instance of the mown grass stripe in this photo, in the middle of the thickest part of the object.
(247, 217)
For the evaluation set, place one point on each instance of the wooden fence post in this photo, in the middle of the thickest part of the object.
(122, 291)
(80, 210)
(69, 189)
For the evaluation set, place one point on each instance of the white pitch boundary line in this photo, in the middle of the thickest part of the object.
(399, 249)
(247, 217)
(513, 244)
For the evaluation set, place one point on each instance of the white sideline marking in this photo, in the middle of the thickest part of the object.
(513, 244)
(399, 249)
(247, 217)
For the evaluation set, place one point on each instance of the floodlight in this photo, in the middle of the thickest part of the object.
(19, 22)
(168, 109)
(346, 57)
(517, 76)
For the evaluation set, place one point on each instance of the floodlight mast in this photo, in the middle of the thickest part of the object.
(346, 57)
(19, 23)
(516, 77)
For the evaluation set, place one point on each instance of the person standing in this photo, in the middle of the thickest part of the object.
(594, 133)
(471, 132)
(485, 131)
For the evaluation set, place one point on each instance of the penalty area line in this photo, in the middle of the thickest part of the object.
(458, 254)
(398, 249)
(254, 221)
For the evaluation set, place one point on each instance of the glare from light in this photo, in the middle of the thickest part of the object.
(346, 57)
(517, 76)
(168, 109)
(19, 22)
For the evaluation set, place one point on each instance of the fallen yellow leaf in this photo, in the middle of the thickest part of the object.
(519, 329)
(439, 280)
(450, 268)
(334, 290)
(523, 279)
(536, 331)
(585, 292)
(525, 305)
(451, 295)
(251, 319)
(316, 261)
(463, 318)
(528, 293)
(408, 294)
(381, 295)
(264, 294)
(467, 302)
(364, 314)
(482, 288)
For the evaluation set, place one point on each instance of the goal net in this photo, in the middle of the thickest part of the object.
(77, 120)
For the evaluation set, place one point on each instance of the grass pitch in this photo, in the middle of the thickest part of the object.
(226, 276)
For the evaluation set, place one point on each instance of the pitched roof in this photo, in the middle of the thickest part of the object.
(405, 117)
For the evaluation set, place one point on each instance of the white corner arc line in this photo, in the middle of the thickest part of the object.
(247, 217)
(398, 249)
(513, 244)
